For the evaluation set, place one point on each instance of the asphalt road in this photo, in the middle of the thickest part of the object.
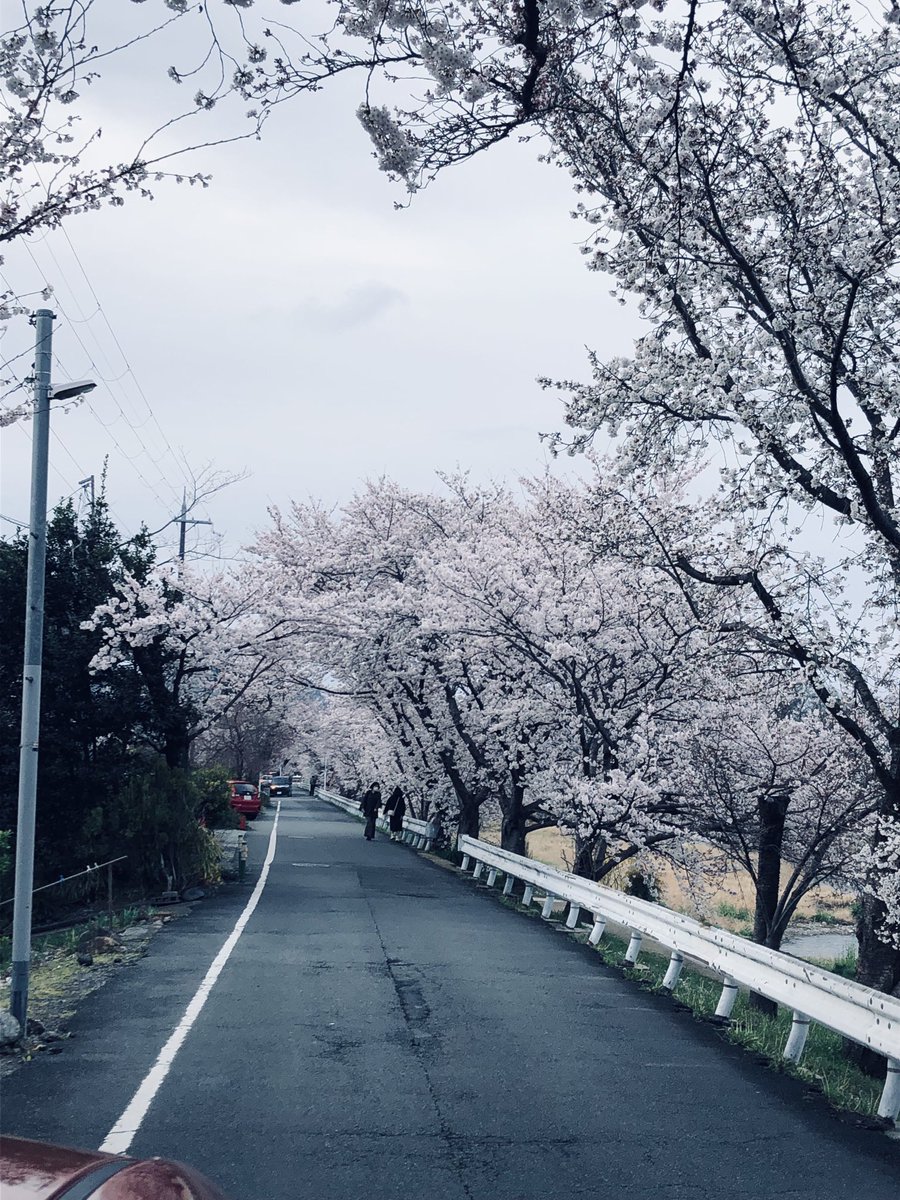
(385, 1029)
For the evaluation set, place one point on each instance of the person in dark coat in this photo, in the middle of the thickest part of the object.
(313, 783)
(396, 806)
(370, 804)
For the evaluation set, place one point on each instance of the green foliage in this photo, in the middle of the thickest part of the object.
(643, 884)
(825, 918)
(100, 793)
(160, 809)
(726, 909)
(845, 965)
(88, 727)
(214, 798)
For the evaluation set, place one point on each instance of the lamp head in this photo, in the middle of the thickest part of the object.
(66, 391)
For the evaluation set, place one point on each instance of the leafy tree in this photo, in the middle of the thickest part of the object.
(86, 732)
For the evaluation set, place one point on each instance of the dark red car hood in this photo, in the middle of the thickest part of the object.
(41, 1171)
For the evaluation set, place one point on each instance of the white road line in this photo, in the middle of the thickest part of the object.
(122, 1133)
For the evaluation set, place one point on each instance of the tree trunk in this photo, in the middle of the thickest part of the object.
(772, 812)
(590, 855)
(512, 832)
(177, 747)
(878, 966)
(512, 827)
(469, 818)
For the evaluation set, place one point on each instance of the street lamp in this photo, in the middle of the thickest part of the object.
(33, 659)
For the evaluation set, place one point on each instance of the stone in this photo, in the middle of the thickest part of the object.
(135, 932)
(103, 945)
(33, 1028)
(84, 959)
(193, 893)
(53, 1035)
(10, 1029)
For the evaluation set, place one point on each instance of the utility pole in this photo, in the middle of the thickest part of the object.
(88, 483)
(33, 661)
(183, 521)
(31, 674)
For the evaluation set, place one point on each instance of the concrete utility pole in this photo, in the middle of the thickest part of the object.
(183, 521)
(31, 674)
(33, 661)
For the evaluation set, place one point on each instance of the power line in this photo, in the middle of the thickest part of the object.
(118, 344)
(109, 381)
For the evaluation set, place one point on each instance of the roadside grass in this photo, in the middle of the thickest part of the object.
(822, 1067)
(57, 981)
(735, 912)
(823, 917)
(66, 941)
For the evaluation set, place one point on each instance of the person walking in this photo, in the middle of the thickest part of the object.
(370, 804)
(313, 783)
(396, 806)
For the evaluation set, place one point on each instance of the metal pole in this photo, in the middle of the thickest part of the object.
(31, 674)
(183, 523)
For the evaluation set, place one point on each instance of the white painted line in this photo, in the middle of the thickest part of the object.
(122, 1133)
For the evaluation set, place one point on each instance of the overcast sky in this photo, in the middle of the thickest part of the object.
(288, 321)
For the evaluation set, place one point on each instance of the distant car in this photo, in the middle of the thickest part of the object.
(281, 785)
(245, 798)
(41, 1171)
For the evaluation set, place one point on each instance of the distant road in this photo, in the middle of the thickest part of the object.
(383, 1030)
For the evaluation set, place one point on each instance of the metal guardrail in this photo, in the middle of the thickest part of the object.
(416, 833)
(863, 1015)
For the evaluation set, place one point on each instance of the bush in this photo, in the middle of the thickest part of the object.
(162, 813)
(214, 798)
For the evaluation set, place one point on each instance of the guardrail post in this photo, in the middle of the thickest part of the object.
(492, 877)
(574, 914)
(728, 997)
(597, 932)
(547, 910)
(109, 891)
(890, 1098)
(528, 895)
(509, 884)
(465, 863)
(673, 974)
(479, 867)
(797, 1037)
(634, 947)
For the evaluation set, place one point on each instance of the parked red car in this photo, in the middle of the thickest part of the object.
(40, 1171)
(245, 798)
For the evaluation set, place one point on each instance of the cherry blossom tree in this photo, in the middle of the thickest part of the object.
(739, 170)
(564, 600)
(785, 799)
(198, 644)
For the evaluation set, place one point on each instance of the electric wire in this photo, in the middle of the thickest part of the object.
(106, 379)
